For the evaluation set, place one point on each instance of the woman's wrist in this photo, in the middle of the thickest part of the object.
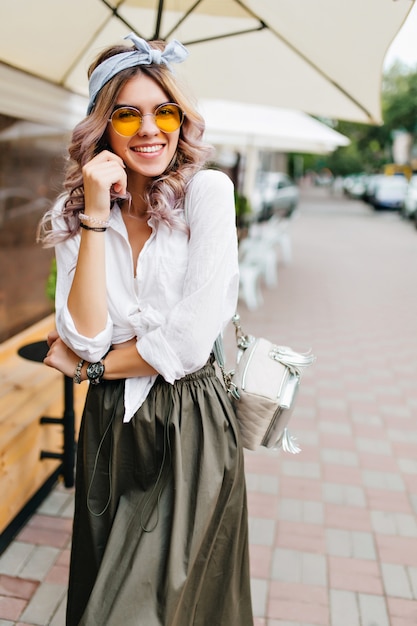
(80, 374)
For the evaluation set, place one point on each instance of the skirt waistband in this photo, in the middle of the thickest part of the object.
(206, 370)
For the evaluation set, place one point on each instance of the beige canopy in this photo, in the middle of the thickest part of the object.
(323, 57)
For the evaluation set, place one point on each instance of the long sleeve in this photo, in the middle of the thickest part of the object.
(183, 342)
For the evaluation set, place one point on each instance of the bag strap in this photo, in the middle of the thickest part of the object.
(219, 355)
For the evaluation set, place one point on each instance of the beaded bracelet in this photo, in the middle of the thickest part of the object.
(100, 229)
(87, 218)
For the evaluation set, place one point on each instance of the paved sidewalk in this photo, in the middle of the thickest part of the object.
(333, 531)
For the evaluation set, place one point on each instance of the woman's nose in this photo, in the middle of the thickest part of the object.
(148, 124)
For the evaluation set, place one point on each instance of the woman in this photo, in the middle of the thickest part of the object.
(147, 278)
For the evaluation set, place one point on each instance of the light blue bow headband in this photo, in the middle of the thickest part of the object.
(141, 54)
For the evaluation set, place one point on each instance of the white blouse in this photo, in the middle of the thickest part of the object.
(183, 295)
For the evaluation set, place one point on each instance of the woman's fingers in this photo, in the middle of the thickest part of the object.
(104, 172)
(60, 357)
(51, 337)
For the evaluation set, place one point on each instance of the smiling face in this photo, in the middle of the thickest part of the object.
(149, 151)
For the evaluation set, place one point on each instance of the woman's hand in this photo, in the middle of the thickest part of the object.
(60, 356)
(104, 172)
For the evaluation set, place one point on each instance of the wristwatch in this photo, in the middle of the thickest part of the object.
(94, 372)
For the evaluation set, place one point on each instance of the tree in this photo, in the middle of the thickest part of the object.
(371, 145)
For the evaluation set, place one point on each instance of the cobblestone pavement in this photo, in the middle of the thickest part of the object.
(333, 530)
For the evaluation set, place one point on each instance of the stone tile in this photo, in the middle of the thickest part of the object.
(44, 604)
(391, 523)
(365, 432)
(378, 462)
(354, 575)
(64, 558)
(410, 483)
(41, 560)
(373, 446)
(68, 510)
(396, 550)
(344, 608)
(259, 591)
(301, 537)
(331, 426)
(382, 500)
(17, 587)
(402, 612)
(263, 483)
(366, 419)
(396, 581)
(383, 480)
(298, 602)
(14, 558)
(339, 457)
(343, 494)
(338, 442)
(408, 466)
(50, 522)
(342, 474)
(412, 573)
(262, 505)
(262, 462)
(58, 575)
(260, 561)
(347, 517)
(59, 616)
(373, 610)
(413, 500)
(44, 537)
(395, 410)
(309, 438)
(306, 511)
(56, 502)
(11, 608)
(346, 543)
(401, 435)
(300, 488)
(301, 469)
(261, 531)
(292, 566)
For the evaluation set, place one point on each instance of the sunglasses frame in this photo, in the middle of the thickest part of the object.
(142, 115)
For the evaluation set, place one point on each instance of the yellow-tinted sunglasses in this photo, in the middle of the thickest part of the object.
(126, 121)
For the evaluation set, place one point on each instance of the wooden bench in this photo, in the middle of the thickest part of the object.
(28, 392)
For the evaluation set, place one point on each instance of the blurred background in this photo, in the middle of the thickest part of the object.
(310, 93)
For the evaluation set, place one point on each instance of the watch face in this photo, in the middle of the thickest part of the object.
(95, 370)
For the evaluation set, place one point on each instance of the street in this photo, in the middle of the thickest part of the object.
(333, 530)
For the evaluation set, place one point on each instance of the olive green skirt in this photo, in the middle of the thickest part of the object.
(160, 530)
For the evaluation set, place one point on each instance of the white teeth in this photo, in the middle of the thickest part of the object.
(148, 148)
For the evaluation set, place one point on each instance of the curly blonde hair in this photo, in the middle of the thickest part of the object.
(164, 194)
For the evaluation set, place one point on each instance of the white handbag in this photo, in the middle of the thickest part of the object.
(263, 387)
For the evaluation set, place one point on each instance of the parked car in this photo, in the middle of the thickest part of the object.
(371, 187)
(410, 201)
(390, 193)
(355, 186)
(275, 194)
